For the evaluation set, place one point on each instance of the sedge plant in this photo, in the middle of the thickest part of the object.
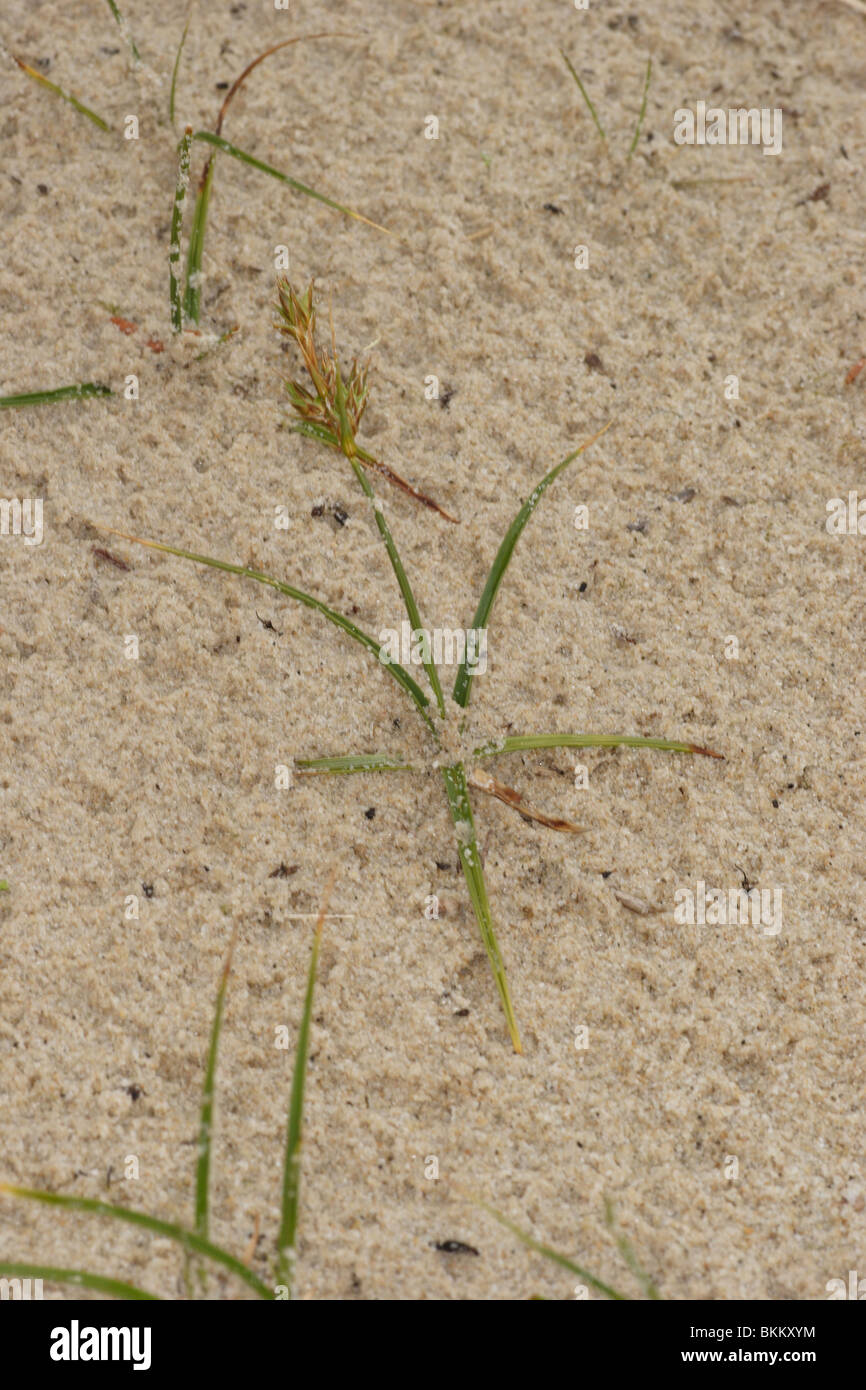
(329, 410)
(194, 1241)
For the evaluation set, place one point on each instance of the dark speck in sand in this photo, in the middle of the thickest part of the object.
(283, 870)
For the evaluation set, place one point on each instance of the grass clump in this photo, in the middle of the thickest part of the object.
(330, 411)
(195, 1242)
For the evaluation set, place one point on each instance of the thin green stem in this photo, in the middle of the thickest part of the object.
(585, 94)
(463, 683)
(220, 144)
(394, 669)
(351, 762)
(400, 573)
(470, 861)
(555, 1256)
(287, 1238)
(176, 67)
(624, 1246)
(639, 126)
(63, 94)
(183, 153)
(195, 250)
(205, 1129)
(61, 393)
(124, 29)
(521, 743)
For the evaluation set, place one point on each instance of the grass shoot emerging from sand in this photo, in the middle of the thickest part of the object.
(124, 29)
(195, 1242)
(622, 1242)
(61, 92)
(594, 114)
(330, 410)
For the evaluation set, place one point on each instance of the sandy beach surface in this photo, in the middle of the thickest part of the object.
(707, 1079)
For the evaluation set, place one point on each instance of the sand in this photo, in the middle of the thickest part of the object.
(154, 776)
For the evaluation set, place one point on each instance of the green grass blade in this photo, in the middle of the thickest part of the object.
(124, 29)
(639, 126)
(463, 683)
(183, 152)
(400, 675)
(522, 743)
(176, 67)
(195, 251)
(81, 1278)
(314, 431)
(62, 393)
(63, 94)
(4, 886)
(624, 1246)
(350, 762)
(286, 1241)
(401, 576)
(205, 1129)
(555, 1256)
(220, 144)
(585, 94)
(189, 1240)
(470, 860)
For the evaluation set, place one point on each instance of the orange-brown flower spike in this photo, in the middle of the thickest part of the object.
(334, 413)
